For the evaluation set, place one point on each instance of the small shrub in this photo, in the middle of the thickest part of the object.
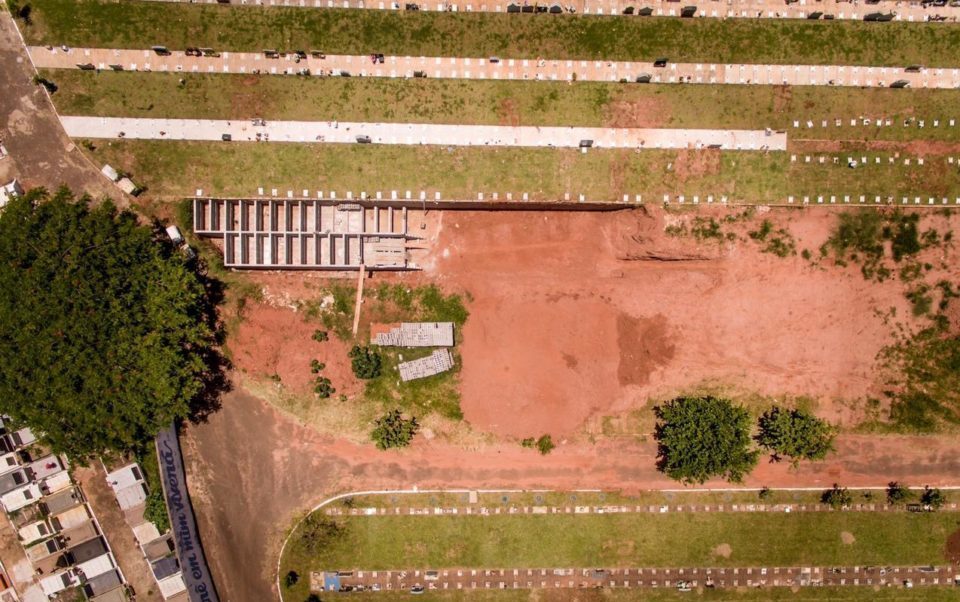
(316, 366)
(765, 493)
(545, 444)
(529, 442)
(323, 388)
(393, 430)
(766, 227)
(897, 493)
(932, 498)
(320, 336)
(291, 579)
(365, 362)
(836, 497)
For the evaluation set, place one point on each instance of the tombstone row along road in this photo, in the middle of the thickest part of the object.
(767, 9)
(628, 578)
(417, 133)
(315, 63)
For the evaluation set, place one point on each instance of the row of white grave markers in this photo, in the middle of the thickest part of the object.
(880, 122)
(629, 199)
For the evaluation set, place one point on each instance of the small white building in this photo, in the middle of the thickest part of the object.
(10, 191)
(8, 462)
(55, 483)
(70, 518)
(58, 582)
(35, 531)
(124, 477)
(171, 586)
(127, 185)
(96, 566)
(174, 233)
(21, 497)
(413, 334)
(46, 466)
(110, 172)
(128, 486)
(439, 361)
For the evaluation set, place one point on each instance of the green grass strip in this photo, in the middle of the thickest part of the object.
(222, 96)
(654, 540)
(172, 169)
(143, 24)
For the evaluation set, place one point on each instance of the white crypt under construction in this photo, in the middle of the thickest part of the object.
(306, 234)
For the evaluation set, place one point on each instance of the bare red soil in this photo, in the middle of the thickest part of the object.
(569, 318)
(276, 342)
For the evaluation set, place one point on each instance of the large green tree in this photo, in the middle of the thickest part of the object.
(106, 334)
(796, 434)
(704, 437)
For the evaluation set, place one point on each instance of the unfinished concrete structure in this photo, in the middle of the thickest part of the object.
(439, 361)
(305, 234)
(413, 334)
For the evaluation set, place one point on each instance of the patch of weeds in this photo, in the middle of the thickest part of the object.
(911, 272)
(676, 230)
(781, 244)
(323, 387)
(705, 228)
(920, 300)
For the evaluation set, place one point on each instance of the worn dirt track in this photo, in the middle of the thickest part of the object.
(40, 151)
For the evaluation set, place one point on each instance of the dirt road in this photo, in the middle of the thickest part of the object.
(40, 151)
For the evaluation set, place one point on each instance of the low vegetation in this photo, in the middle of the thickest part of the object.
(107, 335)
(544, 444)
(104, 24)
(837, 497)
(394, 430)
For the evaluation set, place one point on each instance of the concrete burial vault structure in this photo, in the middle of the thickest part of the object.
(305, 234)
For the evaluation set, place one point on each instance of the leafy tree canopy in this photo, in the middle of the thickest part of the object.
(796, 434)
(897, 493)
(106, 335)
(365, 362)
(703, 437)
(932, 497)
(393, 430)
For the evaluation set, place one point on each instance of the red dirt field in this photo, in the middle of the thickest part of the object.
(562, 326)
(276, 342)
(572, 315)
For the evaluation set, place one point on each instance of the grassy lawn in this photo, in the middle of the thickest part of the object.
(172, 170)
(220, 96)
(143, 24)
(667, 540)
(780, 594)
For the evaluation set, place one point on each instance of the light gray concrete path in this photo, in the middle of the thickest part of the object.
(493, 68)
(753, 9)
(417, 133)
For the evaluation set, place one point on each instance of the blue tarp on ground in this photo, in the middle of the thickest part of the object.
(331, 582)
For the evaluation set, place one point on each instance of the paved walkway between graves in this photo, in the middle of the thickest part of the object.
(753, 9)
(417, 133)
(628, 578)
(493, 68)
(614, 509)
